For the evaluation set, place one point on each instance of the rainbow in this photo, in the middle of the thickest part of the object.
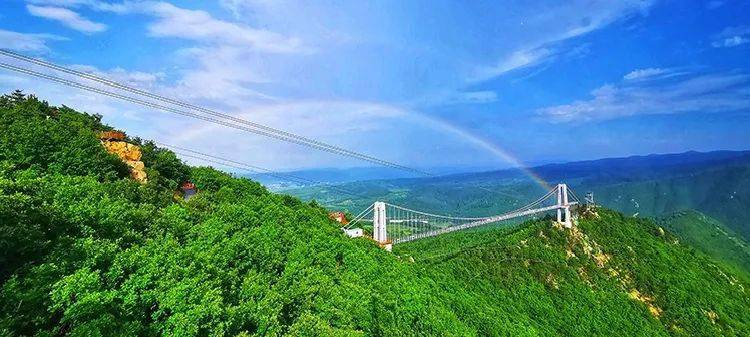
(486, 145)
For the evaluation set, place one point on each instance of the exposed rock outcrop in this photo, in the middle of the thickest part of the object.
(114, 142)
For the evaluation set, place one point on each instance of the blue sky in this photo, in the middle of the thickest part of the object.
(422, 83)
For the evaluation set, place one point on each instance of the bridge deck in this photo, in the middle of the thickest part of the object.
(478, 223)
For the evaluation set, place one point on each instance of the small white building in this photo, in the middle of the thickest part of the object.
(354, 232)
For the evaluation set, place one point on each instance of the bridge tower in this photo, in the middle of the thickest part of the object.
(590, 199)
(564, 206)
(379, 220)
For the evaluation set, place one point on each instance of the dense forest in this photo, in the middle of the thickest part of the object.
(710, 236)
(87, 251)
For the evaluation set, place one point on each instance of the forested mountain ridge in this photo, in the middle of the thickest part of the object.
(609, 276)
(711, 236)
(86, 251)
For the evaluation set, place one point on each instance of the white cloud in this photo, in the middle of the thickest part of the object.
(26, 42)
(455, 97)
(177, 22)
(62, 3)
(94, 4)
(224, 60)
(640, 74)
(67, 17)
(732, 37)
(716, 92)
(118, 114)
(731, 41)
(220, 75)
(200, 26)
(517, 60)
(139, 79)
(477, 97)
(549, 25)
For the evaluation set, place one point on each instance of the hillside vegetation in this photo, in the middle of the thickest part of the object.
(611, 275)
(711, 236)
(86, 251)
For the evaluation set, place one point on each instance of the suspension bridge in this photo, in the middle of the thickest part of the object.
(393, 224)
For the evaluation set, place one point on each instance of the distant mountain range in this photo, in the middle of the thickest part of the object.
(283, 180)
(716, 184)
(276, 181)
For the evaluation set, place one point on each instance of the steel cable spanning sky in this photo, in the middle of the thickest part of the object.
(285, 177)
(249, 167)
(215, 117)
(222, 122)
(218, 117)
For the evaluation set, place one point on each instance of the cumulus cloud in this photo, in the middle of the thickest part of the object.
(731, 41)
(216, 69)
(66, 17)
(716, 92)
(176, 22)
(732, 37)
(644, 73)
(200, 26)
(26, 42)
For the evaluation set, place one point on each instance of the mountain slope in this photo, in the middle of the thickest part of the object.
(710, 236)
(87, 251)
(610, 276)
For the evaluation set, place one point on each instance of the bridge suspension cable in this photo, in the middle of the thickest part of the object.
(207, 115)
(251, 168)
(213, 115)
(573, 194)
(226, 120)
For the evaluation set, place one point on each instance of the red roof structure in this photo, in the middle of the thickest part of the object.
(112, 135)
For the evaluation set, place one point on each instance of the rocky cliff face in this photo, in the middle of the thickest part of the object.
(114, 142)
